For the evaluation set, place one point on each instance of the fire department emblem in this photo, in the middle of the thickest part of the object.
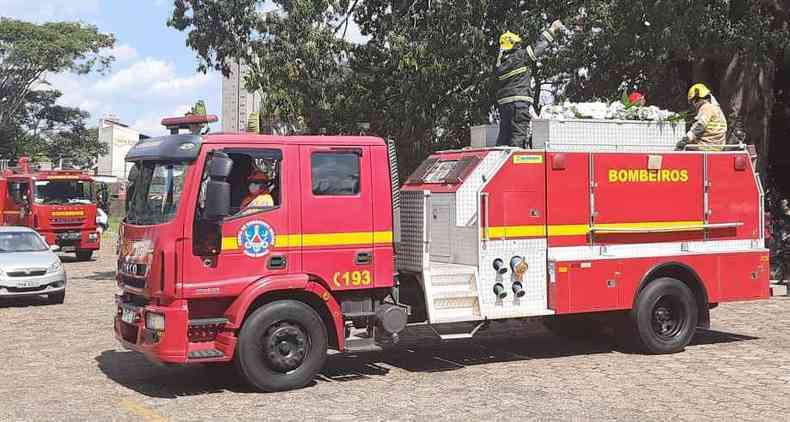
(256, 238)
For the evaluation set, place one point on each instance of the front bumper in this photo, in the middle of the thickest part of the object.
(171, 345)
(74, 239)
(41, 285)
(168, 346)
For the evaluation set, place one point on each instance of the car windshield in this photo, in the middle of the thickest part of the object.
(21, 242)
(154, 192)
(50, 192)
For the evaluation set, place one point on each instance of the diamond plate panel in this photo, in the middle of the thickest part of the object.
(605, 135)
(411, 249)
(534, 301)
(466, 197)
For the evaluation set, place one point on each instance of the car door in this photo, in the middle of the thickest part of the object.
(16, 208)
(256, 243)
(337, 215)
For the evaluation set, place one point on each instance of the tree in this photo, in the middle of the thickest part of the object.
(425, 75)
(28, 51)
(422, 79)
(47, 130)
(665, 46)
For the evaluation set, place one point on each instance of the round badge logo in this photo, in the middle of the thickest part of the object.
(256, 238)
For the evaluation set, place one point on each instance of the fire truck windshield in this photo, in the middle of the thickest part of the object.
(154, 192)
(59, 192)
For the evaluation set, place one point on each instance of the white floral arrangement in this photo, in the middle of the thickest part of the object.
(607, 111)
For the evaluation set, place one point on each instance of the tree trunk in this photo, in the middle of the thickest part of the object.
(747, 97)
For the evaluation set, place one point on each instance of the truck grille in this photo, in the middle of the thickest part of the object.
(27, 273)
(128, 332)
(138, 283)
(411, 248)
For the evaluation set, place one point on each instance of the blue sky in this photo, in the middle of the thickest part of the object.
(154, 74)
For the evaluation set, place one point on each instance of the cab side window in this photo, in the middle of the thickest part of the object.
(335, 173)
(18, 192)
(255, 181)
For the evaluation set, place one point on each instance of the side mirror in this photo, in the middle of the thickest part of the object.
(220, 166)
(54, 248)
(217, 204)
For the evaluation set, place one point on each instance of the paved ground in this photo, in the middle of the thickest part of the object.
(62, 363)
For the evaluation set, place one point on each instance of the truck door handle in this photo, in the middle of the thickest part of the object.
(364, 258)
(277, 262)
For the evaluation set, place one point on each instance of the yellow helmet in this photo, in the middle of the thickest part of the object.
(698, 91)
(508, 40)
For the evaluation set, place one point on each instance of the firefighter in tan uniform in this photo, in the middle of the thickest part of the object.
(258, 195)
(709, 129)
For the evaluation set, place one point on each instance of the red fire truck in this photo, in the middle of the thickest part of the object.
(647, 242)
(58, 204)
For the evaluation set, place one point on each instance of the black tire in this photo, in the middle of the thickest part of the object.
(56, 298)
(84, 254)
(301, 339)
(664, 318)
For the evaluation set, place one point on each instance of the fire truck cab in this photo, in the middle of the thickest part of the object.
(646, 241)
(58, 204)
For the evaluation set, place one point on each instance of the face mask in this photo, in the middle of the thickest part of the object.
(254, 188)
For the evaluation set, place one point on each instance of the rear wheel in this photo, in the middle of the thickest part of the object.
(84, 254)
(665, 317)
(56, 298)
(282, 346)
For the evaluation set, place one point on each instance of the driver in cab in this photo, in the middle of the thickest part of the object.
(258, 194)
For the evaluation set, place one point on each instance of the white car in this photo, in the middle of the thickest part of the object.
(28, 267)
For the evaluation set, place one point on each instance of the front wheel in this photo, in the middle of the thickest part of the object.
(84, 254)
(664, 317)
(282, 346)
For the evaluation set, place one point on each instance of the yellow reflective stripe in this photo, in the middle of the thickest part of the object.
(319, 239)
(556, 230)
(531, 53)
(548, 36)
(513, 73)
(67, 213)
(515, 98)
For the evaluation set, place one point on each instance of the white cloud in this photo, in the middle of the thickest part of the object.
(151, 79)
(49, 10)
(139, 75)
(123, 53)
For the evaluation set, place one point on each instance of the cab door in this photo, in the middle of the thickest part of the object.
(337, 215)
(256, 242)
(17, 202)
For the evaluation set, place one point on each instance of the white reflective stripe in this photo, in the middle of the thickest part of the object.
(547, 35)
(515, 98)
(531, 53)
(643, 250)
(513, 73)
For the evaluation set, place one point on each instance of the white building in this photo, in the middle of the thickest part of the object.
(119, 138)
(237, 102)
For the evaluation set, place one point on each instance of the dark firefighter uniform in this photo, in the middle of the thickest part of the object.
(514, 84)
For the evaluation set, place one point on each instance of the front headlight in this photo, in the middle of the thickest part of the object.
(55, 267)
(154, 321)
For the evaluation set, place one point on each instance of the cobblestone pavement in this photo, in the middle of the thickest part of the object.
(62, 363)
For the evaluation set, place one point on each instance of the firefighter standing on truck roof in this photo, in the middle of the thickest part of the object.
(514, 82)
(709, 129)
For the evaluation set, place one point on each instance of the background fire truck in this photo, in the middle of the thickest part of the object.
(640, 239)
(58, 204)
